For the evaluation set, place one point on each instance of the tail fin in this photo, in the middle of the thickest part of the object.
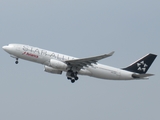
(142, 65)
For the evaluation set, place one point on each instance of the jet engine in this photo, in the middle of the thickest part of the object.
(58, 64)
(52, 70)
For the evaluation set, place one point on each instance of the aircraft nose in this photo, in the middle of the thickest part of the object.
(7, 48)
(4, 48)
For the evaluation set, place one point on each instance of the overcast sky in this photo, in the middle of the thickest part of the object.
(79, 28)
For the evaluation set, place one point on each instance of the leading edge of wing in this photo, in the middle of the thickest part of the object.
(89, 60)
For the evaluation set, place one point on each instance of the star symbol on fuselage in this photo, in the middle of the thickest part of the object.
(142, 66)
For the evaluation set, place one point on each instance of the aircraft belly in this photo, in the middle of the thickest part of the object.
(110, 73)
(105, 74)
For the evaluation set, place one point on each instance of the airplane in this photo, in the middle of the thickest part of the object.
(57, 63)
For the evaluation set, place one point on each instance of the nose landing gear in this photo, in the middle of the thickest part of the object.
(16, 61)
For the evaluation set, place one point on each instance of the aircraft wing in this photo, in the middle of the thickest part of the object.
(84, 62)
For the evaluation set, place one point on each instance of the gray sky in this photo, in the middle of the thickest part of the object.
(79, 28)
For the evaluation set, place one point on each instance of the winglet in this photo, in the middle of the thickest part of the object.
(110, 54)
(103, 56)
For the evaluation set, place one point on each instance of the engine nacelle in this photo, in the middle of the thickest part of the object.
(52, 70)
(58, 64)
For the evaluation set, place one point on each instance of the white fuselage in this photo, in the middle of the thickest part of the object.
(42, 56)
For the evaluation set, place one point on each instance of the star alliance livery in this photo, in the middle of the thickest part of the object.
(57, 63)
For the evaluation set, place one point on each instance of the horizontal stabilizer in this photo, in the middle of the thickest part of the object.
(141, 75)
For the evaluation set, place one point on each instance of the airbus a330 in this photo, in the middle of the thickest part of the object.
(57, 63)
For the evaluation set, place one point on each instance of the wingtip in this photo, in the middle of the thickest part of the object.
(111, 53)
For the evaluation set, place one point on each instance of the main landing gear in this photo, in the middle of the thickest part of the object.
(72, 76)
(16, 61)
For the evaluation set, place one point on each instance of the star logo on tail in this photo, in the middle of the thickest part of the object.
(142, 66)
